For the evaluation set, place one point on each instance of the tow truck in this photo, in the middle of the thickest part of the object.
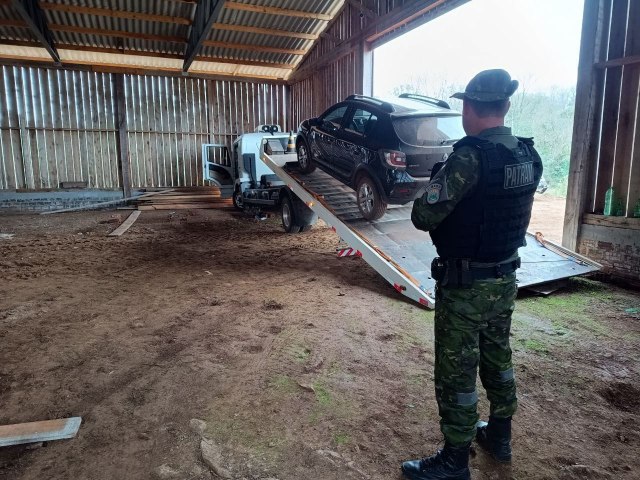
(261, 174)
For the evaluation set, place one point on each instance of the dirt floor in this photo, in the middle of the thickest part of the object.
(299, 365)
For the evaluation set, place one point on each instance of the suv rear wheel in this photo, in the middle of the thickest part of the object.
(307, 165)
(370, 202)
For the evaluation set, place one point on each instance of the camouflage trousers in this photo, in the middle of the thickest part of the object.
(472, 329)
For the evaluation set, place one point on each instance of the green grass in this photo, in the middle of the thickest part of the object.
(323, 396)
(572, 310)
(533, 345)
(299, 353)
(283, 384)
(341, 439)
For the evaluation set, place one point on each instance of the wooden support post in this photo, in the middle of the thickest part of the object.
(586, 119)
(122, 138)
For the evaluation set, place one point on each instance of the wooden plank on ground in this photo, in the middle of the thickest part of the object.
(200, 198)
(44, 431)
(104, 204)
(124, 226)
(186, 206)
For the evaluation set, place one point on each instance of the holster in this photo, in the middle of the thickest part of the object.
(453, 273)
(462, 272)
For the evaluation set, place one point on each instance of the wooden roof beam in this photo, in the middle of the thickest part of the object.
(10, 22)
(115, 33)
(207, 12)
(33, 15)
(162, 38)
(255, 48)
(106, 12)
(265, 31)
(119, 51)
(276, 11)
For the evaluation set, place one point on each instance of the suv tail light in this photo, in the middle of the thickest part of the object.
(393, 158)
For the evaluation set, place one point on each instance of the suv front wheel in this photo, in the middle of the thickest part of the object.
(307, 165)
(370, 202)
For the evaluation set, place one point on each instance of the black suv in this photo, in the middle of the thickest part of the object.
(384, 149)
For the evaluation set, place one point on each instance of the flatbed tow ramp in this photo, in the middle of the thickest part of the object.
(397, 250)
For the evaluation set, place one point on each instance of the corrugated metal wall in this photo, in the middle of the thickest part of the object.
(169, 118)
(59, 125)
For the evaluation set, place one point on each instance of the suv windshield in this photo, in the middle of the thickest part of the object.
(429, 131)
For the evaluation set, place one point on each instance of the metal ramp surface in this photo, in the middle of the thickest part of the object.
(394, 240)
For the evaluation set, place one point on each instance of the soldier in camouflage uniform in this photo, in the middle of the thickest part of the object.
(476, 208)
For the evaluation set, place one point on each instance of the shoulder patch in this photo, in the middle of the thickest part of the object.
(433, 193)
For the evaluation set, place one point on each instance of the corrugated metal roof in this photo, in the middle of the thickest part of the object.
(73, 25)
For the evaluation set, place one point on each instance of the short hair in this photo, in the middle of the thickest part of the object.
(489, 109)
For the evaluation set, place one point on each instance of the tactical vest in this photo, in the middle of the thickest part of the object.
(490, 224)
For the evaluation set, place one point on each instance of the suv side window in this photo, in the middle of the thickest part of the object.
(362, 121)
(335, 116)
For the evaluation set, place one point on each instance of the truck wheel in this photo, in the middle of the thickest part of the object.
(237, 199)
(305, 160)
(370, 202)
(288, 216)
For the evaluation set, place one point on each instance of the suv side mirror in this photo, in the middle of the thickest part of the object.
(326, 124)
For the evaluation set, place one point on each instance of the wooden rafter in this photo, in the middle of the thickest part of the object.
(139, 36)
(276, 11)
(106, 12)
(119, 51)
(251, 63)
(264, 31)
(116, 33)
(401, 16)
(255, 48)
(34, 17)
(10, 22)
(207, 12)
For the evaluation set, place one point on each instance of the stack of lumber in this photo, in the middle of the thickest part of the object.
(184, 198)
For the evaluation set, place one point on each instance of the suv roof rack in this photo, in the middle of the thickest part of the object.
(376, 101)
(425, 99)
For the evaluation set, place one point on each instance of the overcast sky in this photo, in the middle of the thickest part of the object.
(537, 41)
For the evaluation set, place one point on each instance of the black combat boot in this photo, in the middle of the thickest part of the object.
(495, 438)
(450, 463)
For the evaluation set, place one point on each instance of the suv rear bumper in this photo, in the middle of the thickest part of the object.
(407, 189)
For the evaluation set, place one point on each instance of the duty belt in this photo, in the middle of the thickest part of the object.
(462, 272)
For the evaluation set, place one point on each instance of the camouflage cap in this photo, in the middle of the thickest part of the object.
(489, 86)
